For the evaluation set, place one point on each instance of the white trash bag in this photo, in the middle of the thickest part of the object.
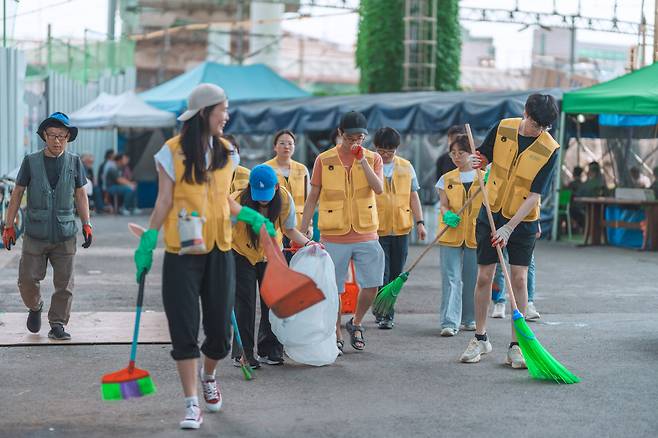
(309, 337)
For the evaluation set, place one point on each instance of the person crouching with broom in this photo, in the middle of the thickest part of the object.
(265, 195)
(457, 245)
(523, 156)
(396, 207)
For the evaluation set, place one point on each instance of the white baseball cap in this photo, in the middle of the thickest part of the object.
(203, 95)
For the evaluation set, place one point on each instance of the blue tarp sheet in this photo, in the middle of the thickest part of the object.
(418, 112)
(241, 83)
(627, 120)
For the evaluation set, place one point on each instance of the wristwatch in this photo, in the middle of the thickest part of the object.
(420, 222)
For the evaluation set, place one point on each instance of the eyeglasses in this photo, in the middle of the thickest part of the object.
(353, 138)
(57, 137)
(383, 152)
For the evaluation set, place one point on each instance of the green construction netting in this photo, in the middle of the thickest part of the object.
(83, 62)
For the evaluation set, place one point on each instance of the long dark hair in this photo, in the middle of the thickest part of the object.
(273, 210)
(193, 137)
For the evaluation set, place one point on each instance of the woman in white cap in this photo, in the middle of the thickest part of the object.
(193, 204)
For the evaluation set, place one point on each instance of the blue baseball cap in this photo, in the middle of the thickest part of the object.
(263, 181)
(59, 120)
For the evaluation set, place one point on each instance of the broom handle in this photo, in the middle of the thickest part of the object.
(501, 259)
(138, 315)
(442, 232)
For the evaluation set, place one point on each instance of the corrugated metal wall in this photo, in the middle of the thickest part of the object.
(12, 109)
(67, 95)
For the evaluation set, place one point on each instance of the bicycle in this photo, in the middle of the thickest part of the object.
(7, 186)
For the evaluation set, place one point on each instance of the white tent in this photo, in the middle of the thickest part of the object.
(125, 110)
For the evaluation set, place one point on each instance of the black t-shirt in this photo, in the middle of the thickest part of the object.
(54, 168)
(541, 184)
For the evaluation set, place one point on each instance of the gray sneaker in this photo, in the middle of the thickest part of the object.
(57, 333)
(475, 350)
(515, 358)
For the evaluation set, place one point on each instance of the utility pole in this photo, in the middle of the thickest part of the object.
(4, 23)
(655, 32)
(49, 47)
(240, 17)
(111, 12)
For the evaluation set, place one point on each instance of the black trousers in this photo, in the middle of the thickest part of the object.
(248, 276)
(185, 279)
(395, 249)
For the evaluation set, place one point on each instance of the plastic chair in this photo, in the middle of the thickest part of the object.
(564, 208)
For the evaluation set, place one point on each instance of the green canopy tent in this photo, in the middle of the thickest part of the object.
(635, 93)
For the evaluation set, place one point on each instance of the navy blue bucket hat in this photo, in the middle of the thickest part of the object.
(59, 120)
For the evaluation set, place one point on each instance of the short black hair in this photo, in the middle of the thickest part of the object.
(460, 143)
(577, 171)
(542, 109)
(109, 153)
(456, 130)
(118, 157)
(386, 138)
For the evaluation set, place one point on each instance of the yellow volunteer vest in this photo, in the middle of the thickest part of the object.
(512, 173)
(240, 179)
(295, 184)
(346, 201)
(241, 242)
(208, 199)
(464, 233)
(393, 205)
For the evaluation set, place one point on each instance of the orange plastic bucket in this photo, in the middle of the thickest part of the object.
(285, 291)
(351, 295)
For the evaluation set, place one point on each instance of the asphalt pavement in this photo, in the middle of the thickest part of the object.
(598, 309)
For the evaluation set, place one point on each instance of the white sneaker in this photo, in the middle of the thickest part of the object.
(211, 393)
(193, 418)
(448, 331)
(531, 313)
(475, 350)
(515, 358)
(498, 310)
(470, 327)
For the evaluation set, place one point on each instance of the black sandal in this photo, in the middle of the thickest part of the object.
(356, 340)
(340, 344)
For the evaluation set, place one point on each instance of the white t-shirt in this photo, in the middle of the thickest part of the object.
(286, 173)
(388, 174)
(166, 161)
(464, 177)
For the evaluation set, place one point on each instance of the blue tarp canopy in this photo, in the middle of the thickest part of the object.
(241, 83)
(418, 112)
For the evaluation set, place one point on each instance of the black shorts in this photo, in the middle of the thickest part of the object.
(519, 247)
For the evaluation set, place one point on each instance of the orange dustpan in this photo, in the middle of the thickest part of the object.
(286, 292)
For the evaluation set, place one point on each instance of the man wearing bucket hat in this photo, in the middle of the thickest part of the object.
(265, 195)
(345, 180)
(54, 179)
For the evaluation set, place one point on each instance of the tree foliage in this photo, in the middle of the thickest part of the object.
(380, 45)
(448, 46)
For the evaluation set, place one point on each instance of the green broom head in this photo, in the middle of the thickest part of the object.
(127, 383)
(247, 371)
(385, 301)
(541, 364)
